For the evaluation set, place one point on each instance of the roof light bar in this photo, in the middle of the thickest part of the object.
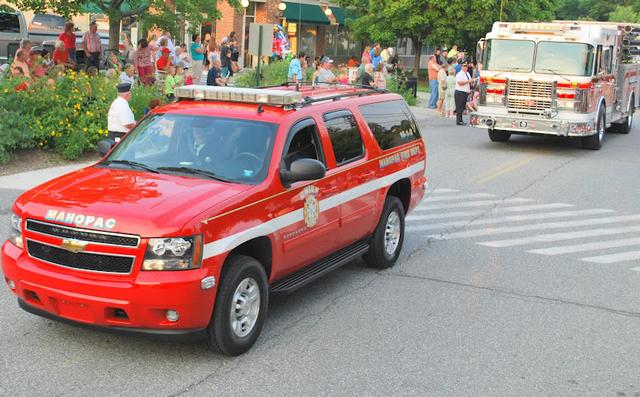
(235, 94)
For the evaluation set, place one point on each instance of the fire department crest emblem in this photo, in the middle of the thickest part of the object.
(311, 209)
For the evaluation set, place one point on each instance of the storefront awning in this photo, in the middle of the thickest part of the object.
(342, 14)
(91, 7)
(309, 13)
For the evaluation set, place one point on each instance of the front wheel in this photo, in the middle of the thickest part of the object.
(388, 237)
(594, 142)
(240, 308)
(499, 135)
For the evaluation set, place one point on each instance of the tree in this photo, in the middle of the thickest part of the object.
(439, 22)
(160, 13)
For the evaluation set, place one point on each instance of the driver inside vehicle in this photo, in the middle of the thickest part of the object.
(202, 147)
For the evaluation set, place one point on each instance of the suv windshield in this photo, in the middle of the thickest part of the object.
(509, 55)
(574, 59)
(200, 146)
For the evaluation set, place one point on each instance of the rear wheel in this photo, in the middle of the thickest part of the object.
(388, 237)
(240, 308)
(594, 142)
(499, 135)
(627, 122)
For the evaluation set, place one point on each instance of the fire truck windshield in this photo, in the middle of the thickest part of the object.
(509, 55)
(575, 59)
(224, 149)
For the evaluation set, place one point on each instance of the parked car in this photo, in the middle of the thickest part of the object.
(13, 28)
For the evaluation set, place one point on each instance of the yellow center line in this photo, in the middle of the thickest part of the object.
(504, 168)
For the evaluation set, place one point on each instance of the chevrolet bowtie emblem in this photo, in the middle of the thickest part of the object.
(72, 245)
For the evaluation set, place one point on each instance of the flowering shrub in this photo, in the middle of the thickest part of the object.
(68, 115)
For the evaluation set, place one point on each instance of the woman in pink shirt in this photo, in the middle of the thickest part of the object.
(143, 61)
(366, 55)
(69, 40)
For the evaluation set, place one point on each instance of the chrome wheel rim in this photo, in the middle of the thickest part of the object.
(245, 307)
(392, 233)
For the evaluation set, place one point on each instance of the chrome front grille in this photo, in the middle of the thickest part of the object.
(524, 96)
(96, 259)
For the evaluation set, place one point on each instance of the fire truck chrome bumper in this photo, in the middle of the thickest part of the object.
(524, 125)
(174, 335)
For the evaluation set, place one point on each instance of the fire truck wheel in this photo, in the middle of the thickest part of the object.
(594, 142)
(240, 308)
(627, 122)
(387, 240)
(499, 135)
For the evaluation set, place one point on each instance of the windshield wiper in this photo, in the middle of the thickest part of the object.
(556, 72)
(195, 171)
(516, 69)
(132, 164)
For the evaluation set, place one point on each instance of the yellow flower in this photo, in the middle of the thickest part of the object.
(6, 90)
(61, 122)
(53, 133)
(85, 129)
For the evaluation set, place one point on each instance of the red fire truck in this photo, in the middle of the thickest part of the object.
(566, 78)
(210, 204)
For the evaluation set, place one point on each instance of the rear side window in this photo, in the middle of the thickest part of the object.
(48, 21)
(345, 136)
(9, 23)
(391, 123)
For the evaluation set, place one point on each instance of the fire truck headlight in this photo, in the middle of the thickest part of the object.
(177, 253)
(15, 236)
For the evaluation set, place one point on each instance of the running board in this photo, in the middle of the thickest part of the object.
(316, 270)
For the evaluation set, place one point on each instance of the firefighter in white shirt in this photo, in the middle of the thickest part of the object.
(121, 119)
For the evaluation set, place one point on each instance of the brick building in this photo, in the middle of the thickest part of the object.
(315, 27)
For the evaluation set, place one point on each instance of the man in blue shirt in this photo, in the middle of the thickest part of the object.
(295, 69)
(214, 76)
(376, 56)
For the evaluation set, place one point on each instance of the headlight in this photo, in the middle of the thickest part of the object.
(15, 235)
(176, 253)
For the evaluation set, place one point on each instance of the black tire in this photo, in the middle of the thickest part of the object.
(378, 257)
(499, 135)
(221, 337)
(627, 122)
(594, 142)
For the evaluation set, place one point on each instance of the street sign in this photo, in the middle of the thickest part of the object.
(267, 39)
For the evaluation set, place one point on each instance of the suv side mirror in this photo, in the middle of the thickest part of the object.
(303, 170)
(104, 145)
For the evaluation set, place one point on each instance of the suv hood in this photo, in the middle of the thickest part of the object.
(125, 201)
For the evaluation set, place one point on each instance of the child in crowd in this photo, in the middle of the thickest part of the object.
(170, 83)
(380, 77)
(128, 75)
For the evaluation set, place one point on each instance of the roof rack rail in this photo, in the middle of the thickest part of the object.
(309, 100)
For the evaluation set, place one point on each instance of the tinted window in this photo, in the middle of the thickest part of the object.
(9, 23)
(345, 136)
(234, 149)
(48, 21)
(304, 144)
(391, 123)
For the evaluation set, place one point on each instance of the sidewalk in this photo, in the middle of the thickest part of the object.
(31, 179)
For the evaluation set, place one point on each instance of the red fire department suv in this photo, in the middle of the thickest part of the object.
(211, 203)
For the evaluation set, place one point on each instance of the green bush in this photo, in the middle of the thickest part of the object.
(396, 83)
(274, 73)
(68, 115)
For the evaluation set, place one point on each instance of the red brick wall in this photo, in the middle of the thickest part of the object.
(231, 21)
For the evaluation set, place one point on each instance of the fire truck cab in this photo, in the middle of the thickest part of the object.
(565, 78)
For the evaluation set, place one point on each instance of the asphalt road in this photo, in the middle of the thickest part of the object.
(519, 276)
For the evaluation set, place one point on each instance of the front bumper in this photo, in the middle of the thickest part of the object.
(561, 125)
(135, 303)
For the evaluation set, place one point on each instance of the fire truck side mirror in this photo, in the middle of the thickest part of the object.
(104, 145)
(482, 43)
(303, 170)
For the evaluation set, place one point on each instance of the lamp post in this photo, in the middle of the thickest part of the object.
(244, 4)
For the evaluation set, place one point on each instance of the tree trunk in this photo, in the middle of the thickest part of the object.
(114, 33)
(417, 45)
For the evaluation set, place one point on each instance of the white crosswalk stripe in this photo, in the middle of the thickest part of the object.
(539, 226)
(450, 214)
(433, 199)
(544, 238)
(462, 214)
(614, 258)
(594, 246)
(512, 218)
(425, 206)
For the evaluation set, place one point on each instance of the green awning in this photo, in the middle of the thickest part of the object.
(342, 14)
(309, 13)
(91, 7)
